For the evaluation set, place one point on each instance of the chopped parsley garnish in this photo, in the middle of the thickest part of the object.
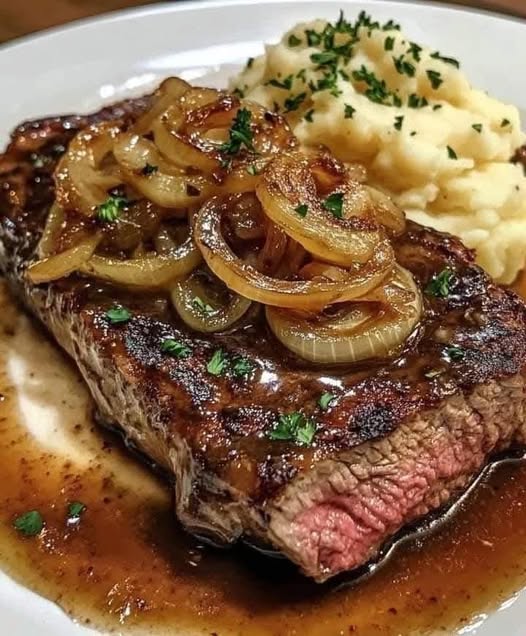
(448, 60)
(302, 209)
(335, 53)
(365, 20)
(309, 115)
(294, 40)
(241, 367)
(30, 523)
(293, 103)
(217, 363)
(75, 510)
(285, 84)
(403, 66)
(349, 111)
(345, 50)
(149, 170)
(175, 348)
(415, 51)
(111, 208)
(313, 37)
(439, 286)
(326, 57)
(415, 101)
(324, 400)
(437, 106)
(477, 127)
(342, 26)
(435, 78)
(398, 122)
(451, 153)
(390, 25)
(240, 134)
(455, 353)
(327, 82)
(504, 123)
(293, 427)
(252, 170)
(250, 61)
(301, 75)
(334, 204)
(118, 315)
(204, 308)
(305, 433)
(377, 90)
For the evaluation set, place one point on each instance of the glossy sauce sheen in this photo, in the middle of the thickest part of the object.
(127, 565)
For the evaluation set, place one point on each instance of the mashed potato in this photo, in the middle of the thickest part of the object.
(438, 146)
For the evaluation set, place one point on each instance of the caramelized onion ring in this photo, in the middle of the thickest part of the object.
(63, 264)
(273, 250)
(54, 221)
(173, 88)
(151, 272)
(311, 232)
(359, 331)
(169, 186)
(181, 152)
(250, 283)
(386, 212)
(222, 316)
(80, 182)
(191, 132)
(288, 182)
(181, 134)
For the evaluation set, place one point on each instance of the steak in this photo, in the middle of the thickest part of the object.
(402, 437)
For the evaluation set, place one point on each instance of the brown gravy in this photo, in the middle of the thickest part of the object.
(128, 565)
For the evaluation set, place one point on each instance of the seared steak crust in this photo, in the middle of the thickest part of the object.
(401, 437)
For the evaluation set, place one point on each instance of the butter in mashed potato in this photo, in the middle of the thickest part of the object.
(438, 146)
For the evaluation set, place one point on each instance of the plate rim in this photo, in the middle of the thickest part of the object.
(185, 5)
(45, 38)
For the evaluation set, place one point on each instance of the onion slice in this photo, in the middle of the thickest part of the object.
(386, 212)
(54, 221)
(247, 281)
(296, 230)
(356, 332)
(288, 182)
(80, 181)
(180, 151)
(202, 312)
(172, 89)
(151, 272)
(169, 186)
(65, 263)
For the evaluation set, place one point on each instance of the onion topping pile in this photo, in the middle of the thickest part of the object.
(211, 199)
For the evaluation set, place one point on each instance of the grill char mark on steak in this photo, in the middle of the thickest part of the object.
(394, 445)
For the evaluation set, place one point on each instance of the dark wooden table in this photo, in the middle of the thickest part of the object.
(18, 17)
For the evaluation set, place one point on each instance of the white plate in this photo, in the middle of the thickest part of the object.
(94, 61)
